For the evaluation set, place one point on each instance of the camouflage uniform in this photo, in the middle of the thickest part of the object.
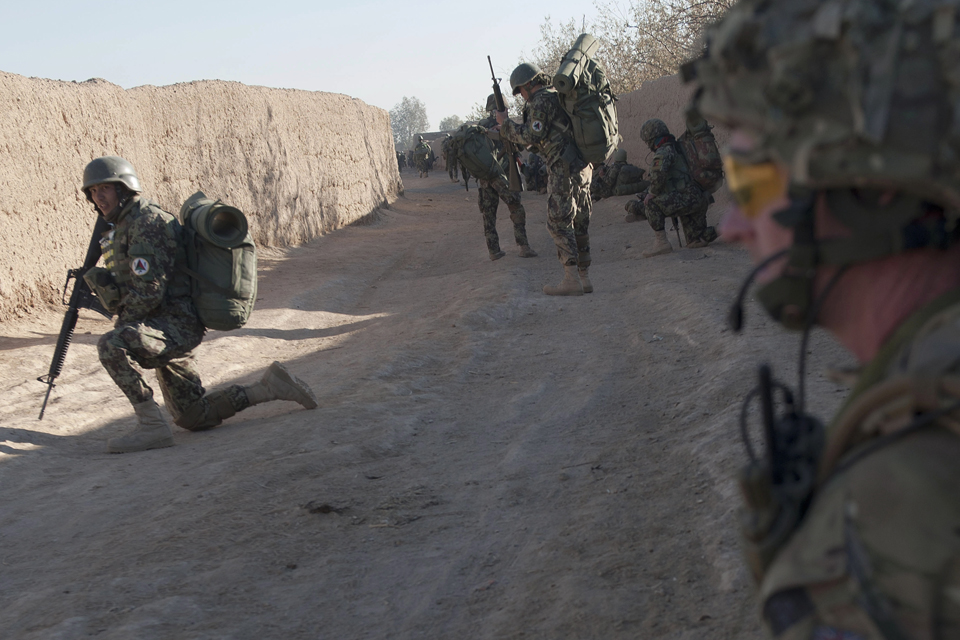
(546, 128)
(157, 326)
(878, 549)
(451, 159)
(617, 179)
(675, 194)
(491, 192)
(421, 153)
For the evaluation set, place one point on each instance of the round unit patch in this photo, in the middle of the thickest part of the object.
(140, 266)
(537, 126)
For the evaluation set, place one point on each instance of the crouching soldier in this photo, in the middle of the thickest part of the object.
(157, 325)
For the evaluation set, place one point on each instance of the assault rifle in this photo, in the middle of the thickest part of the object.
(512, 160)
(80, 298)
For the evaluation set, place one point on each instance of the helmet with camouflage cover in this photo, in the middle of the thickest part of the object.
(110, 169)
(524, 73)
(855, 98)
(652, 129)
(492, 102)
(620, 155)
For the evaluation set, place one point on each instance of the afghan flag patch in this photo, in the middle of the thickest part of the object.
(140, 266)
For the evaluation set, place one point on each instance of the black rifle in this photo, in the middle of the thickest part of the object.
(80, 298)
(676, 227)
(512, 160)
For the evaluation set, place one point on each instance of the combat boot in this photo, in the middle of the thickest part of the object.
(569, 286)
(497, 255)
(527, 252)
(585, 280)
(279, 384)
(152, 431)
(661, 247)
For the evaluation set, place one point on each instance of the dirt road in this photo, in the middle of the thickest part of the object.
(486, 461)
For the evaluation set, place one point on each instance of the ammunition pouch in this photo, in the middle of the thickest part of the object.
(101, 283)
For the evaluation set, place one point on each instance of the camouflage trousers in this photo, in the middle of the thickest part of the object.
(165, 344)
(568, 212)
(452, 166)
(491, 192)
(690, 206)
(422, 166)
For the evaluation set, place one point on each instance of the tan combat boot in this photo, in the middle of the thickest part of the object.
(569, 286)
(279, 384)
(661, 247)
(527, 252)
(585, 281)
(152, 431)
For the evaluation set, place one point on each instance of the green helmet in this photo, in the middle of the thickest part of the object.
(854, 98)
(524, 73)
(620, 155)
(492, 102)
(419, 138)
(653, 129)
(110, 169)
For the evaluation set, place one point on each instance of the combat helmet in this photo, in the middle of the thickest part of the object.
(110, 169)
(856, 99)
(620, 155)
(524, 73)
(653, 129)
(492, 102)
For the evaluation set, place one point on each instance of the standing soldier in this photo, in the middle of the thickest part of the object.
(844, 159)
(421, 153)
(546, 128)
(673, 193)
(157, 327)
(492, 191)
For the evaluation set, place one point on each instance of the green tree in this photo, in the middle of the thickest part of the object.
(408, 118)
(450, 123)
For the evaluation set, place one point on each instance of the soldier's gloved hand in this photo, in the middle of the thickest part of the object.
(101, 283)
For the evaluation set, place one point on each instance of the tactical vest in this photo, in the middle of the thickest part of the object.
(678, 177)
(119, 254)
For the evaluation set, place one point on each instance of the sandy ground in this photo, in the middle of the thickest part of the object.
(486, 461)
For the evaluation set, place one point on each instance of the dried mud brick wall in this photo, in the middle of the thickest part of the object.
(298, 163)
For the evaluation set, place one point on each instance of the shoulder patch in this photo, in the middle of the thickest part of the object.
(140, 266)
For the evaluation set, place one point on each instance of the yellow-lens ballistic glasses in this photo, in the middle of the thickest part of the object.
(754, 185)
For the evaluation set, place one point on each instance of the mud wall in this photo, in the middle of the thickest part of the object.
(298, 163)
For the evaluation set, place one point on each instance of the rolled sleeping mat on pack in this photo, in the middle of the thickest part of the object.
(216, 222)
(571, 67)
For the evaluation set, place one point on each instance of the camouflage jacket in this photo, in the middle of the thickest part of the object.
(668, 171)
(546, 129)
(617, 179)
(877, 554)
(143, 253)
(422, 150)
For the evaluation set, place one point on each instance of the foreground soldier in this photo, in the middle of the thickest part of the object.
(844, 157)
(157, 325)
(492, 191)
(546, 128)
(673, 193)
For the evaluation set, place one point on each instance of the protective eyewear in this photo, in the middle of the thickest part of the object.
(754, 185)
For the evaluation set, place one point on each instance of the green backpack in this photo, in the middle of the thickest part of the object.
(699, 147)
(586, 97)
(221, 262)
(477, 152)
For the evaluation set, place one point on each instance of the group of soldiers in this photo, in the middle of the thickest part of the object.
(844, 162)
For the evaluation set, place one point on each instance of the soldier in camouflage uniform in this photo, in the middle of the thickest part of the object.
(157, 325)
(450, 158)
(546, 129)
(535, 173)
(421, 155)
(492, 191)
(673, 193)
(844, 160)
(619, 178)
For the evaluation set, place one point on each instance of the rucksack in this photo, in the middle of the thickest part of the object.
(477, 152)
(586, 97)
(699, 149)
(221, 262)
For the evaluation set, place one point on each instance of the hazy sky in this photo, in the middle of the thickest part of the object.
(375, 50)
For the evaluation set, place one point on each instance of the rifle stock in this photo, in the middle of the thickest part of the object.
(513, 167)
(80, 298)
